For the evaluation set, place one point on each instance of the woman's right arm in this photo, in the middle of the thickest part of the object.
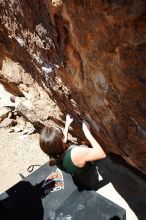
(96, 152)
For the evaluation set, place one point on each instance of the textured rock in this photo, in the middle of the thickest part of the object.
(80, 57)
(28, 59)
(4, 112)
(7, 122)
(104, 43)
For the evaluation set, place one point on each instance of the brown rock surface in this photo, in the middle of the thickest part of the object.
(100, 49)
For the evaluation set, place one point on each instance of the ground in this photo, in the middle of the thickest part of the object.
(17, 153)
(17, 150)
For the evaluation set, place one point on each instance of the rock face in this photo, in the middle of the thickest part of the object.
(83, 57)
(29, 59)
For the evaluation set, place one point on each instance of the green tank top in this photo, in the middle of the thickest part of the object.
(68, 166)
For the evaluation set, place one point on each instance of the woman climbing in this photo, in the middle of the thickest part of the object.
(74, 159)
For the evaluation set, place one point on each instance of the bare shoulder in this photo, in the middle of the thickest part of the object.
(79, 150)
(85, 154)
(78, 154)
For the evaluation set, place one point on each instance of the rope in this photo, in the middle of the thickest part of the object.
(31, 167)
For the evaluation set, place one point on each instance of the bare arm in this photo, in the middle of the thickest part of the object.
(96, 152)
(68, 122)
(81, 155)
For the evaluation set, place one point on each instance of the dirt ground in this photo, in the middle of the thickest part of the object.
(17, 153)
